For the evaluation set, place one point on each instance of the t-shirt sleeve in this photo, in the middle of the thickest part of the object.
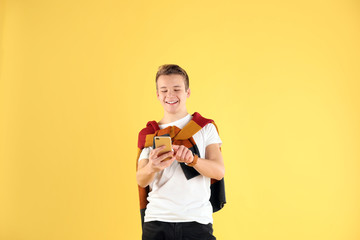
(145, 153)
(211, 135)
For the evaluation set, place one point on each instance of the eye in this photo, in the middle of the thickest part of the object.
(164, 91)
(176, 90)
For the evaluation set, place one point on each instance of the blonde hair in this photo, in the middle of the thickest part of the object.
(168, 69)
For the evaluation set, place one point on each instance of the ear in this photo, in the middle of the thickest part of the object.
(157, 94)
(188, 93)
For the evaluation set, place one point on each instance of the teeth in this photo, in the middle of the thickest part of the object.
(172, 102)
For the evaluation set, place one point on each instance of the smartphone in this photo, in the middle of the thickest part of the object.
(163, 140)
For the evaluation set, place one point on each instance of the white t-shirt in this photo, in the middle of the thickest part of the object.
(173, 198)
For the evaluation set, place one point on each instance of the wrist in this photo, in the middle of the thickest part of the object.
(194, 161)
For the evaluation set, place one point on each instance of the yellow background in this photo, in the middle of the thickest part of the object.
(280, 78)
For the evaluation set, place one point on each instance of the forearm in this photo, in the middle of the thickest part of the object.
(145, 176)
(210, 168)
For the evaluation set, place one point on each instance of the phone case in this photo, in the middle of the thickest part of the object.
(163, 140)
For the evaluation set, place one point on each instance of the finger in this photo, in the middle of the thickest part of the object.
(152, 151)
(151, 155)
(165, 155)
(158, 149)
(189, 157)
(175, 147)
(155, 150)
(155, 157)
(179, 152)
(184, 153)
(155, 161)
(165, 164)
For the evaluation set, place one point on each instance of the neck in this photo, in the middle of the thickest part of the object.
(172, 117)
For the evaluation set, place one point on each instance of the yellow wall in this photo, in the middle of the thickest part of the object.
(280, 78)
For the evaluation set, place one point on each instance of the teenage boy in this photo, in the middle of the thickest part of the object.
(178, 196)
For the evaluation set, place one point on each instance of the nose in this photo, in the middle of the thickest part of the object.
(169, 93)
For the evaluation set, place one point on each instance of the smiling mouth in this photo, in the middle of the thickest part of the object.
(171, 102)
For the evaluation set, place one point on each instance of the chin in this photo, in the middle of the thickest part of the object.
(172, 110)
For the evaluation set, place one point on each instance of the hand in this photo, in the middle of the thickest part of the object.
(183, 154)
(157, 160)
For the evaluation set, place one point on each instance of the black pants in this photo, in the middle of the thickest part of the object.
(157, 230)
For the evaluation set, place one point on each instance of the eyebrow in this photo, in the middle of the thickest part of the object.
(176, 86)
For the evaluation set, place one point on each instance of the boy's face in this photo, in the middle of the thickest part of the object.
(171, 92)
